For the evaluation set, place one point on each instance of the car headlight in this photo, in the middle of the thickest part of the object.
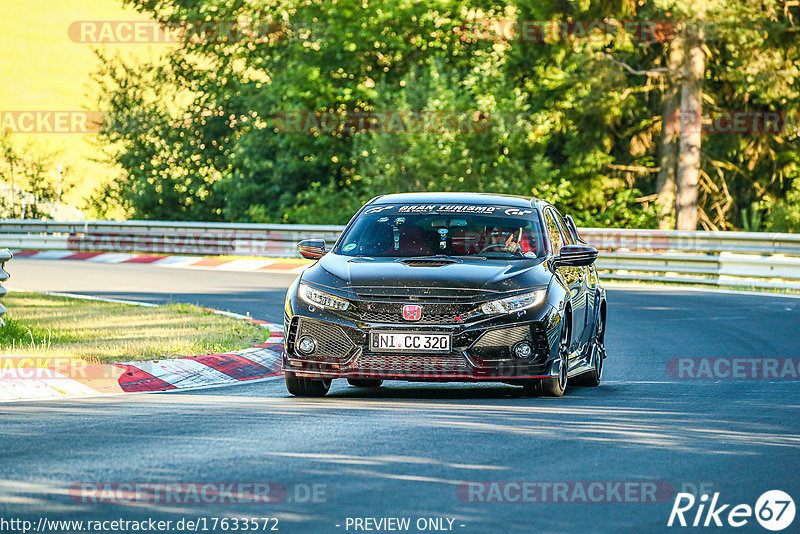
(321, 298)
(515, 303)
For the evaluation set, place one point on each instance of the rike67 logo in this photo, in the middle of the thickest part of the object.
(774, 510)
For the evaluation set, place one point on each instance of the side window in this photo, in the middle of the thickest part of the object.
(569, 237)
(553, 231)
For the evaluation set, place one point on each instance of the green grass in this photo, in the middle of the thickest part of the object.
(101, 332)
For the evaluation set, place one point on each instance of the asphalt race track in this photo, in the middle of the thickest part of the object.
(403, 450)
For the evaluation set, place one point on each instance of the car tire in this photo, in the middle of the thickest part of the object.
(555, 387)
(364, 382)
(306, 387)
(597, 353)
(532, 388)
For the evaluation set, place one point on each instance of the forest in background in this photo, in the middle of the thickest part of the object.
(620, 123)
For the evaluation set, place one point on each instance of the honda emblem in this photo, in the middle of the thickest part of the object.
(412, 312)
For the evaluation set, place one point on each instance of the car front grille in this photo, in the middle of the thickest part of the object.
(397, 318)
(439, 313)
(503, 336)
(332, 343)
(412, 364)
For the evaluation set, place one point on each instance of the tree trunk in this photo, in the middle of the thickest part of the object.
(691, 128)
(668, 146)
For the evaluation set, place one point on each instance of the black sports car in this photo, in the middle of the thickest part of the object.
(448, 287)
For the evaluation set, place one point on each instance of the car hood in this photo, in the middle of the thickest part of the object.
(390, 276)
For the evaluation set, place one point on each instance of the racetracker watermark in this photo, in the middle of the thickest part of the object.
(54, 368)
(655, 240)
(555, 31)
(183, 493)
(56, 122)
(209, 243)
(736, 122)
(172, 31)
(381, 122)
(572, 491)
(734, 368)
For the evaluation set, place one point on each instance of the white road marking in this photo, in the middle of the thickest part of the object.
(244, 265)
(112, 257)
(30, 383)
(177, 261)
(52, 254)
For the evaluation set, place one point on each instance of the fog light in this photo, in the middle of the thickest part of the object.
(306, 345)
(523, 350)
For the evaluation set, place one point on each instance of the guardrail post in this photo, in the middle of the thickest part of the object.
(5, 255)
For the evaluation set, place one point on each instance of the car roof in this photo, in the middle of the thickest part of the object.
(456, 198)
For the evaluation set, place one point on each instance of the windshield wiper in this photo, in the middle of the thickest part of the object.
(437, 258)
(435, 261)
(440, 257)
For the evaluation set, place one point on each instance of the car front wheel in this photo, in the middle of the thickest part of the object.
(555, 387)
(596, 354)
(306, 387)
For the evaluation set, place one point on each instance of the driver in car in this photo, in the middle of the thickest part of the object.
(503, 239)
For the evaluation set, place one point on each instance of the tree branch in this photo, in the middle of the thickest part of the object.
(632, 168)
(661, 71)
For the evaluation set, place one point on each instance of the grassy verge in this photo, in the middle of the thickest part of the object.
(101, 332)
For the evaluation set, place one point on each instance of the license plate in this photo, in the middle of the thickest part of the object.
(408, 342)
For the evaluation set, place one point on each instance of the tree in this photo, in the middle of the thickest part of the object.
(688, 176)
(28, 187)
(666, 184)
(580, 119)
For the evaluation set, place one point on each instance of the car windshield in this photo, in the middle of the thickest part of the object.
(418, 230)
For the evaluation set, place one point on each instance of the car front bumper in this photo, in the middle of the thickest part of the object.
(481, 350)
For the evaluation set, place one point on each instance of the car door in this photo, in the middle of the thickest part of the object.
(574, 277)
(589, 278)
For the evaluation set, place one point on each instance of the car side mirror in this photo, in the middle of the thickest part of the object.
(312, 249)
(575, 256)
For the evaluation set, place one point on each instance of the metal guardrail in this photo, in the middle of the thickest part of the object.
(159, 237)
(685, 241)
(5, 255)
(761, 260)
